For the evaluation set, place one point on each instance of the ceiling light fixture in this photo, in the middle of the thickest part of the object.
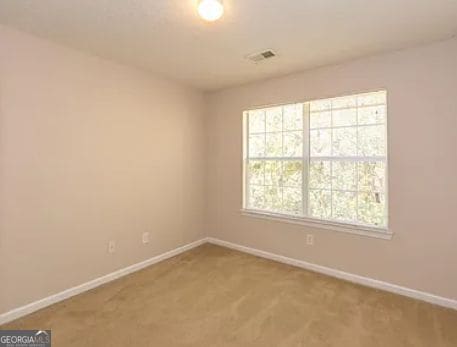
(210, 10)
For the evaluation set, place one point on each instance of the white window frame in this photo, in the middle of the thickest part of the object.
(329, 224)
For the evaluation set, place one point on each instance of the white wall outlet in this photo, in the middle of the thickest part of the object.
(145, 237)
(310, 239)
(112, 246)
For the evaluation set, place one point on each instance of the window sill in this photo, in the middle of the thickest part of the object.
(380, 233)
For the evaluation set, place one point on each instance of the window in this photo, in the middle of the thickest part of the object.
(323, 160)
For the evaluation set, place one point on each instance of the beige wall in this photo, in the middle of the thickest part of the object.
(90, 151)
(422, 106)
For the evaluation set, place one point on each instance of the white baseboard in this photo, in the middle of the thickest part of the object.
(366, 281)
(369, 282)
(39, 304)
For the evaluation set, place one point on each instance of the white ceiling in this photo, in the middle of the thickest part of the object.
(167, 37)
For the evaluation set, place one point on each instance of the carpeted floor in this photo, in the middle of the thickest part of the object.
(212, 296)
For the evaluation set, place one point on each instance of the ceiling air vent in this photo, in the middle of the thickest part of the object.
(258, 57)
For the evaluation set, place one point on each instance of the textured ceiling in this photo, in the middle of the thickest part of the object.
(167, 37)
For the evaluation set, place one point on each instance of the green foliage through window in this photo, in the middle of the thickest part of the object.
(323, 159)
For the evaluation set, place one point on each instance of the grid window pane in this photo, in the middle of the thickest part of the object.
(344, 142)
(372, 115)
(371, 208)
(320, 174)
(257, 145)
(273, 145)
(321, 119)
(320, 142)
(292, 173)
(292, 200)
(344, 102)
(293, 143)
(372, 176)
(344, 175)
(344, 117)
(274, 119)
(372, 141)
(320, 204)
(344, 205)
(273, 173)
(320, 105)
(256, 172)
(256, 197)
(256, 121)
(273, 198)
(293, 117)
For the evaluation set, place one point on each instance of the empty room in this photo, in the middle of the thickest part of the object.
(185, 173)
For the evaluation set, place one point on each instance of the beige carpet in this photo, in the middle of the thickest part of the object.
(212, 296)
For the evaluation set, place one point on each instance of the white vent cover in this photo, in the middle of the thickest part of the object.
(260, 56)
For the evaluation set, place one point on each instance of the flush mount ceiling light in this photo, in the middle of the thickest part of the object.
(210, 10)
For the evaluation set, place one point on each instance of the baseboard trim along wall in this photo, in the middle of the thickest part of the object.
(365, 281)
(39, 304)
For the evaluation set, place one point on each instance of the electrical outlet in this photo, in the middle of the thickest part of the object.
(310, 239)
(112, 246)
(145, 237)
